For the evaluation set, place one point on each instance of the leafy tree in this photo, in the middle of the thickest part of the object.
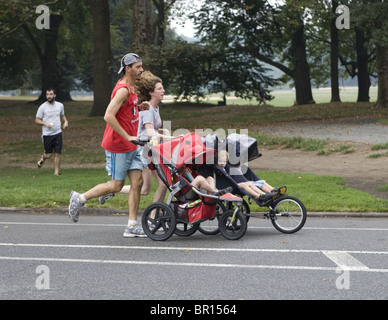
(260, 30)
(185, 69)
(50, 49)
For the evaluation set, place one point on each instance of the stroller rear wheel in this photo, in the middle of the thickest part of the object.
(159, 221)
(232, 226)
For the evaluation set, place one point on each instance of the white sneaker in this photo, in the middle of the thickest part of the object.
(75, 206)
(103, 199)
(133, 231)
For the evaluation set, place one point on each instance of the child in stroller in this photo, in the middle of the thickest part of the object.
(287, 213)
(200, 182)
(250, 183)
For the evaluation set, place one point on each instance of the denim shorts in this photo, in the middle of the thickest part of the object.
(259, 183)
(118, 164)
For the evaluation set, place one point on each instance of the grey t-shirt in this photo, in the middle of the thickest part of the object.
(151, 116)
(51, 113)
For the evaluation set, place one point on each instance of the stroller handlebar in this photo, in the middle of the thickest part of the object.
(140, 142)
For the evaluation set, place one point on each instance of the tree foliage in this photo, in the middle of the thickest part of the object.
(238, 41)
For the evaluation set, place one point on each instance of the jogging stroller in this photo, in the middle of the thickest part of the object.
(187, 206)
(287, 214)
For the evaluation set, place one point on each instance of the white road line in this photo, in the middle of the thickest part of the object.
(184, 264)
(345, 261)
(342, 258)
(85, 246)
(162, 263)
(61, 224)
(123, 225)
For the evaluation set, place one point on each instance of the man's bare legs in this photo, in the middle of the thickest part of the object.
(112, 186)
(136, 179)
(160, 192)
(57, 163)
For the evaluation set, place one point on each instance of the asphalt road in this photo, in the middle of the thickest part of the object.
(49, 257)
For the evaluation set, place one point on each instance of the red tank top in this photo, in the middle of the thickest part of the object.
(128, 117)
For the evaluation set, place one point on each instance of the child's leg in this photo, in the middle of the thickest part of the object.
(251, 191)
(200, 182)
(211, 181)
(254, 188)
(266, 187)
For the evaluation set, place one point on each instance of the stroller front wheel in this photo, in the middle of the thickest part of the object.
(232, 226)
(288, 214)
(210, 227)
(159, 221)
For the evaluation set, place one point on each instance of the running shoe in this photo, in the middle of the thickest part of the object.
(40, 162)
(265, 197)
(75, 206)
(103, 199)
(223, 191)
(280, 190)
(133, 231)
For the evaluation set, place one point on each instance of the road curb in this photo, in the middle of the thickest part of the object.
(124, 212)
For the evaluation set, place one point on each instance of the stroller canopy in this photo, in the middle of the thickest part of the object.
(241, 148)
(188, 149)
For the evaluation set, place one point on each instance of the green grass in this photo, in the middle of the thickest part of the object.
(324, 193)
(380, 146)
(378, 155)
(286, 97)
(29, 151)
(383, 187)
(32, 188)
(283, 98)
(377, 147)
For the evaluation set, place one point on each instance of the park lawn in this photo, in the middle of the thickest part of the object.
(33, 188)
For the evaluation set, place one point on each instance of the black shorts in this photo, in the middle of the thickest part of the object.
(52, 144)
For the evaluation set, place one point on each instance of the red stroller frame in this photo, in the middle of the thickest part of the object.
(186, 205)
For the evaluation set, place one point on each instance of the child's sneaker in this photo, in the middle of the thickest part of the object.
(133, 231)
(223, 191)
(75, 206)
(103, 199)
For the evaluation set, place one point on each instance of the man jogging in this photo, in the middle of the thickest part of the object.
(49, 117)
(122, 156)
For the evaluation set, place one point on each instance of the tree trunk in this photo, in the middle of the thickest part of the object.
(362, 67)
(51, 75)
(143, 33)
(102, 70)
(335, 94)
(160, 21)
(160, 24)
(301, 68)
(382, 69)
